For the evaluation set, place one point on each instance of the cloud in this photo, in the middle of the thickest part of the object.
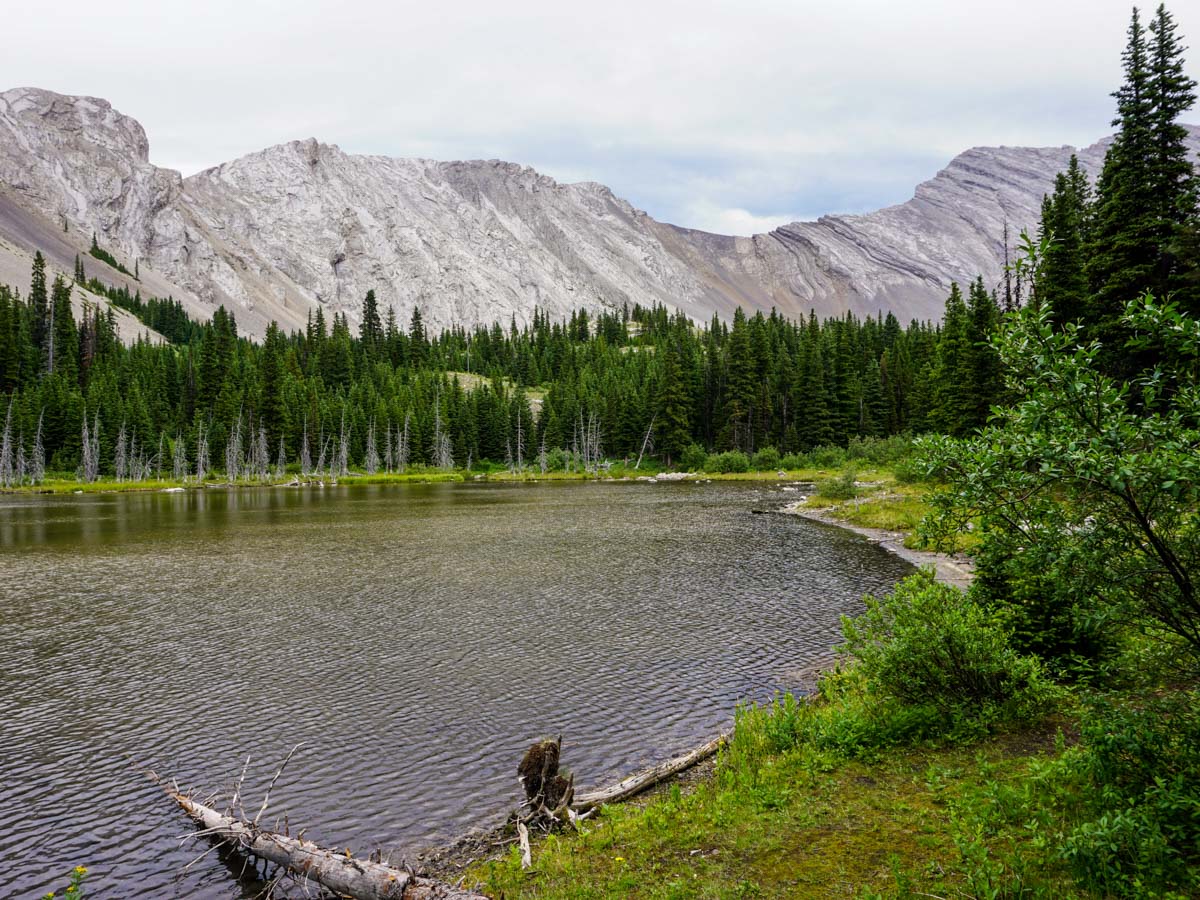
(707, 217)
(724, 111)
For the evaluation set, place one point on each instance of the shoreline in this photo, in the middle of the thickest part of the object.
(954, 569)
(453, 859)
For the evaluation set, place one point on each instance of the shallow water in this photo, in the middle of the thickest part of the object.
(413, 638)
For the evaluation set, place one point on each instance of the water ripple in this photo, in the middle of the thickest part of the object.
(415, 639)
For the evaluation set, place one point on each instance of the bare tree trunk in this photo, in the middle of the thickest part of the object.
(635, 784)
(179, 465)
(372, 460)
(305, 454)
(37, 468)
(201, 454)
(647, 443)
(121, 455)
(6, 449)
(335, 870)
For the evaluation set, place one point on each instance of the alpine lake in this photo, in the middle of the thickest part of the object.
(413, 640)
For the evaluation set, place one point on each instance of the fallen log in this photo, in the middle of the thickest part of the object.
(339, 872)
(642, 781)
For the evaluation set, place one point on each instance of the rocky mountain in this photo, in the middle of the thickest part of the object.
(275, 234)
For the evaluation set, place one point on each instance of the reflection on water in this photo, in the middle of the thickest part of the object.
(414, 638)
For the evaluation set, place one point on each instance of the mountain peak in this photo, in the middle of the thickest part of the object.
(274, 234)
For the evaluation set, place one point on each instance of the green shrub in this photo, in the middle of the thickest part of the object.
(693, 458)
(839, 487)
(827, 457)
(1138, 771)
(931, 644)
(880, 451)
(766, 459)
(556, 460)
(730, 461)
(844, 721)
(908, 471)
(794, 461)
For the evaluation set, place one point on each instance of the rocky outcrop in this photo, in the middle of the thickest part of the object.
(277, 233)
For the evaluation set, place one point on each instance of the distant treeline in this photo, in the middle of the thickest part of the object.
(493, 393)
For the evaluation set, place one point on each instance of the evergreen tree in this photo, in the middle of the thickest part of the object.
(371, 330)
(39, 304)
(1146, 196)
(1062, 281)
(673, 431)
(65, 343)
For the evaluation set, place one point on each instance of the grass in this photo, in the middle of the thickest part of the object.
(915, 822)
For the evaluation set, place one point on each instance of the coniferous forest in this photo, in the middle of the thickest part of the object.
(391, 396)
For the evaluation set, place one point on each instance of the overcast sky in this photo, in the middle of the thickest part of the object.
(728, 116)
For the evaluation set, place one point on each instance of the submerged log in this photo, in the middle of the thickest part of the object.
(642, 781)
(339, 872)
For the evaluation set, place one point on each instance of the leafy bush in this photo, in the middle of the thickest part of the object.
(828, 457)
(693, 458)
(880, 451)
(908, 471)
(556, 460)
(839, 487)
(1111, 463)
(1138, 772)
(931, 644)
(794, 461)
(730, 461)
(766, 459)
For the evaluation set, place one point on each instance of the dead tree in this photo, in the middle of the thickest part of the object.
(7, 460)
(647, 443)
(372, 459)
(443, 456)
(121, 455)
(233, 451)
(202, 464)
(403, 448)
(304, 861)
(179, 462)
(305, 454)
(37, 464)
(89, 462)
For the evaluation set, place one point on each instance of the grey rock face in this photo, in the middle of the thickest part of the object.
(275, 234)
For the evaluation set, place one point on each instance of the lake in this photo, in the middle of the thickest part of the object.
(415, 639)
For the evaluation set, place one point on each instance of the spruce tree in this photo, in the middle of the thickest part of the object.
(371, 330)
(673, 431)
(1146, 196)
(1174, 190)
(1062, 281)
(39, 304)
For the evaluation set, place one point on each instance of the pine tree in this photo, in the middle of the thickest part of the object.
(39, 304)
(64, 334)
(1146, 196)
(1175, 189)
(673, 428)
(371, 329)
(1062, 281)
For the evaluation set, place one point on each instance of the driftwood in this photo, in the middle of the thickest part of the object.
(362, 879)
(641, 781)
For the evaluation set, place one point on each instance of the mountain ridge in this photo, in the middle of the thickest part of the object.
(279, 232)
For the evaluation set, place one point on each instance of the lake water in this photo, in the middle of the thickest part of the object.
(415, 639)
